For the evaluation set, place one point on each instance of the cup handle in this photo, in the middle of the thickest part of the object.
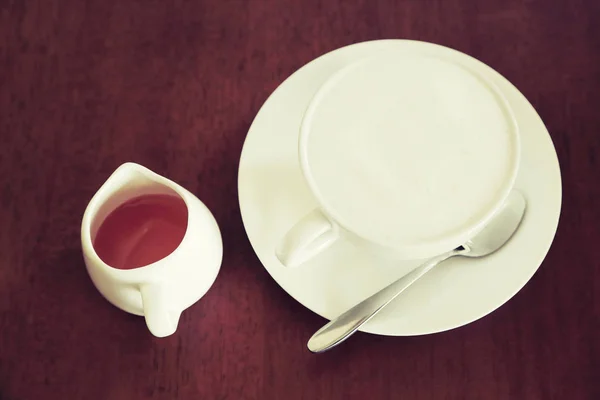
(309, 237)
(161, 320)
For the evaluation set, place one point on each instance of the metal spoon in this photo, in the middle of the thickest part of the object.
(491, 238)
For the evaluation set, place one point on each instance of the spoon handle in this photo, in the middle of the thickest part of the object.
(341, 328)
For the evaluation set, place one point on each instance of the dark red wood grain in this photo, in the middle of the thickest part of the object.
(174, 85)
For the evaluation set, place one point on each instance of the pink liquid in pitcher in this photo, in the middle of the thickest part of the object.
(141, 231)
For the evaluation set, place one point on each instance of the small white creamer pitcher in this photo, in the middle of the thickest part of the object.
(162, 290)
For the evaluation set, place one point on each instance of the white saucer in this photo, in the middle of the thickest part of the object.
(274, 196)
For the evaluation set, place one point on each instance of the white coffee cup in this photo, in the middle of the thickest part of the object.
(160, 291)
(406, 154)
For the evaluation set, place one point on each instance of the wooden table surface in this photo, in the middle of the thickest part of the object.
(175, 85)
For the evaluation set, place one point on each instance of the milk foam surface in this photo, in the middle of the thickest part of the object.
(409, 150)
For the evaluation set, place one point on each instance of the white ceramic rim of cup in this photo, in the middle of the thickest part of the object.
(421, 249)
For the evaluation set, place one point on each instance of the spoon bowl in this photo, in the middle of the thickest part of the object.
(500, 229)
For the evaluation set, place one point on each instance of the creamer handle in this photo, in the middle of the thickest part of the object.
(160, 318)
